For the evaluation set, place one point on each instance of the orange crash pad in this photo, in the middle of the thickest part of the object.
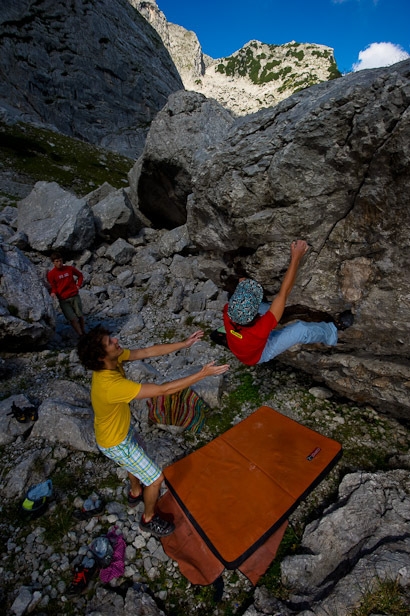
(231, 498)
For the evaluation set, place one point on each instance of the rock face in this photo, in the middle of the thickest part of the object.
(54, 219)
(354, 545)
(257, 75)
(27, 317)
(329, 164)
(69, 66)
(182, 44)
(161, 179)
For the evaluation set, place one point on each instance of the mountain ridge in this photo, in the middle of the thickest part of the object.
(256, 76)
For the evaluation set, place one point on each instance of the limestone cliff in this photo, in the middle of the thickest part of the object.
(257, 75)
(92, 70)
(261, 75)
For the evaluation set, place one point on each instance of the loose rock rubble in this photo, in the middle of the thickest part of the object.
(165, 301)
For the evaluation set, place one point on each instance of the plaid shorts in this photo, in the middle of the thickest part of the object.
(130, 455)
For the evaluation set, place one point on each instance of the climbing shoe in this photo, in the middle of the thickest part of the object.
(89, 509)
(37, 499)
(103, 550)
(344, 320)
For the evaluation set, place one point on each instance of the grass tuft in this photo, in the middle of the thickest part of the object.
(37, 154)
(386, 598)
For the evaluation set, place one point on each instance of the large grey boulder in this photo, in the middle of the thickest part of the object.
(325, 164)
(177, 144)
(54, 219)
(114, 217)
(329, 164)
(360, 541)
(27, 317)
(66, 417)
(93, 70)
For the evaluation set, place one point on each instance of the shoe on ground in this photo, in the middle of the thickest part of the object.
(86, 514)
(344, 320)
(157, 526)
(81, 579)
(134, 500)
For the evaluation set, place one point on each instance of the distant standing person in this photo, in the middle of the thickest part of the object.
(65, 282)
(111, 394)
(250, 324)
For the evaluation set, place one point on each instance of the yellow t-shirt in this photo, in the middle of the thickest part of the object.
(111, 393)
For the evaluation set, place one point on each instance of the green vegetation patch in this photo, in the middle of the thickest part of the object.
(386, 598)
(272, 578)
(245, 64)
(321, 54)
(259, 68)
(43, 155)
(245, 393)
(57, 525)
(296, 54)
(333, 71)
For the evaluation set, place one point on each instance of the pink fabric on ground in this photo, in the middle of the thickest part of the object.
(116, 568)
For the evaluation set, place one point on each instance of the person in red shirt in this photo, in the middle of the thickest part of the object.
(65, 281)
(250, 324)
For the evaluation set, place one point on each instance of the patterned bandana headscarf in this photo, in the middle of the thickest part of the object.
(245, 301)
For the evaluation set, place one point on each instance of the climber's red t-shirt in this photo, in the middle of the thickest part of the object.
(247, 342)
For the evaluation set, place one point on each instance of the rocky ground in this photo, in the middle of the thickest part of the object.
(36, 564)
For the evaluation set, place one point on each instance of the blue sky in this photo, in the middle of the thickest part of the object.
(363, 33)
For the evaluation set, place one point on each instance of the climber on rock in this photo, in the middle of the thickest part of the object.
(251, 324)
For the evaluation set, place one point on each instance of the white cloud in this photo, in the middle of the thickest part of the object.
(380, 54)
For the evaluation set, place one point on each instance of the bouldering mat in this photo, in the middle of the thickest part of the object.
(196, 561)
(232, 498)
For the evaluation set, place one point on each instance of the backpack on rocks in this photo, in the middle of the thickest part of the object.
(37, 498)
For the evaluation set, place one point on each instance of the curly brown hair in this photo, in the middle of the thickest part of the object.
(90, 348)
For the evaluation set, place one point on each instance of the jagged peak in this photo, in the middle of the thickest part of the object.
(256, 75)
